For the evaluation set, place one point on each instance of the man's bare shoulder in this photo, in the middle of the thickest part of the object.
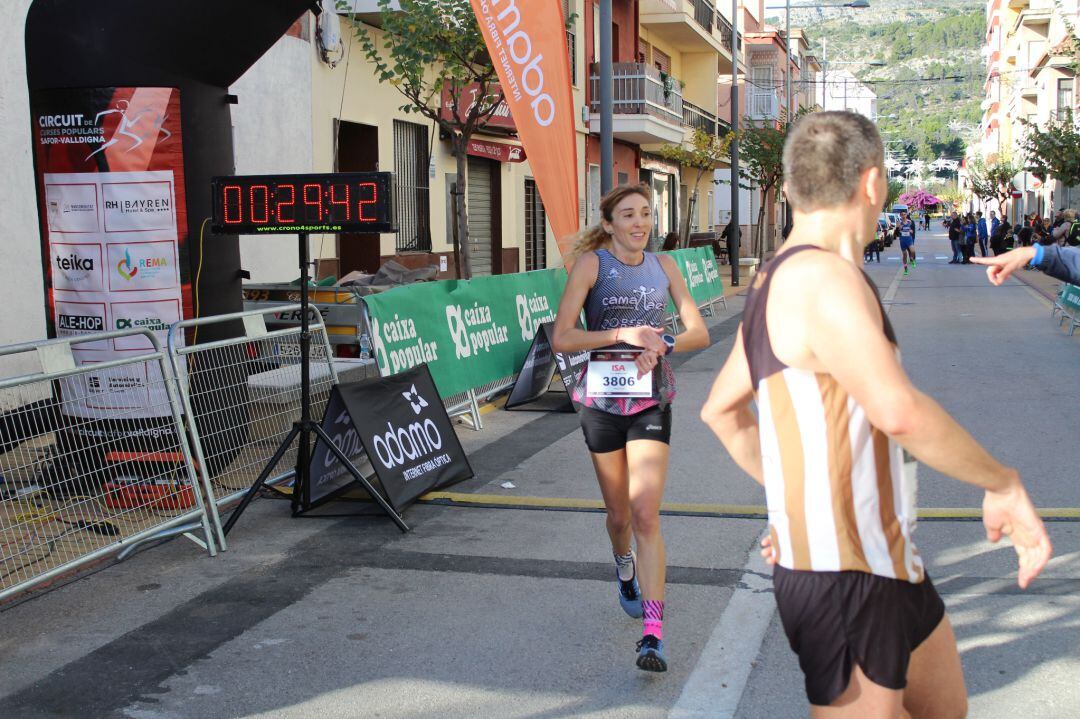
(809, 275)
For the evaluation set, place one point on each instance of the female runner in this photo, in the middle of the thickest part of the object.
(625, 390)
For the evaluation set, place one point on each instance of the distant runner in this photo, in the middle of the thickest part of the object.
(627, 388)
(907, 241)
(835, 412)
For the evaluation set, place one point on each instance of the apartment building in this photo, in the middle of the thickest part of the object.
(1028, 79)
(768, 60)
(667, 57)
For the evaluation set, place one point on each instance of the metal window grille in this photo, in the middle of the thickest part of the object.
(571, 44)
(535, 228)
(411, 190)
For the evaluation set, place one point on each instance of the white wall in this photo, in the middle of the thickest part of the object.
(22, 283)
(272, 134)
(722, 204)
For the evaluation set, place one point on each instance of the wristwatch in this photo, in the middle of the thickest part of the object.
(669, 340)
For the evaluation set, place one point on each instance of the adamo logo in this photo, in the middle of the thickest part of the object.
(398, 446)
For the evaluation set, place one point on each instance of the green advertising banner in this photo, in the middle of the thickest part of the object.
(698, 267)
(1070, 297)
(469, 332)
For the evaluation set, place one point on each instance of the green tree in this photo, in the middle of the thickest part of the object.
(1053, 150)
(427, 46)
(761, 149)
(992, 182)
(706, 151)
(896, 188)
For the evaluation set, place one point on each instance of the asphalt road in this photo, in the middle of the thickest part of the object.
(484, 612)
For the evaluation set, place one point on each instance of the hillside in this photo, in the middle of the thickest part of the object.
(918, 41)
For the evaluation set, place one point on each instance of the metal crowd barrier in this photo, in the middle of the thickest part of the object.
(242, 395)
(94, 458)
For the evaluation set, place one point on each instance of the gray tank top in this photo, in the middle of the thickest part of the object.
(629, 296)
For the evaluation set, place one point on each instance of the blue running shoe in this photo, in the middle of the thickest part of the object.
(630, 596)
(651, 654)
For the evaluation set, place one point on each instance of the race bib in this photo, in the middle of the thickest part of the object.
(614, 374)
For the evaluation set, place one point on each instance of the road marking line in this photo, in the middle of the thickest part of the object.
(718, 680)
(753, 511)
(893, 287)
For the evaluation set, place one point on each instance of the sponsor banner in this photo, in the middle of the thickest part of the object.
(153, 315)
(468, 332)
(110, 179)
(328, 475)
(76, 268)
(698, 267)
(527, 44)
(539, 368)
(1070, 297)
(136, 266)
(74, 319)
(403, 428)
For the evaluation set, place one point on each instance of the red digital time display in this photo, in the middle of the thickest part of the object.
(339, 202)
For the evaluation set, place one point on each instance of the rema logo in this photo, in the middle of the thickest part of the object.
(125, 268)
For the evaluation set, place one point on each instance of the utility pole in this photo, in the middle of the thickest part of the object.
(607, 100)
(733, 236)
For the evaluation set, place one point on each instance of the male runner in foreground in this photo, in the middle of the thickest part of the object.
(818, 354)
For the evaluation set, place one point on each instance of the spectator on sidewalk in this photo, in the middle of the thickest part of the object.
(982, 233)
(967, 248)
(994, 222)
(956, 236)
(1001, 238)
(1064, 228)
(1024, 232)
(1061, 263)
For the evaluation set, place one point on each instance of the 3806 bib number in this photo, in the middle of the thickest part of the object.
(614, 374)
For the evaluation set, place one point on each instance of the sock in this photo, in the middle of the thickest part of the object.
(654, 618)
(625, 564)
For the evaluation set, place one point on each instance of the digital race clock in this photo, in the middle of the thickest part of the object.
(339, 202)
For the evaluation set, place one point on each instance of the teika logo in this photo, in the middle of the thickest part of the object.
(126, 269)
(74, 263)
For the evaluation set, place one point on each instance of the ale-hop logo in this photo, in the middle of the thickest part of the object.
(531, 313)
(125, 268)
(468, 341)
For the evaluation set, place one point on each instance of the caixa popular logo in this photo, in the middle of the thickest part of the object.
(401, 444)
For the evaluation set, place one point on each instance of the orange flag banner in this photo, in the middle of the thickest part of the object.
(527, 43)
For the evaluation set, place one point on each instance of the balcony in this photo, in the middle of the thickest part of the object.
(690, 25)
(763, 106)
(648, 106)
(695, 118)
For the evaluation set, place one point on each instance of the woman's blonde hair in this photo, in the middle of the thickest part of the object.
(596, 237)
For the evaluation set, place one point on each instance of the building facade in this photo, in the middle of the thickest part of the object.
(1029, 81)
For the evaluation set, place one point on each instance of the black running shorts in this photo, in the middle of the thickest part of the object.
(836, 620)
(606, 432)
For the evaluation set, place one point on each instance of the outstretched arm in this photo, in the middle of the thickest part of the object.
(1062, 263)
